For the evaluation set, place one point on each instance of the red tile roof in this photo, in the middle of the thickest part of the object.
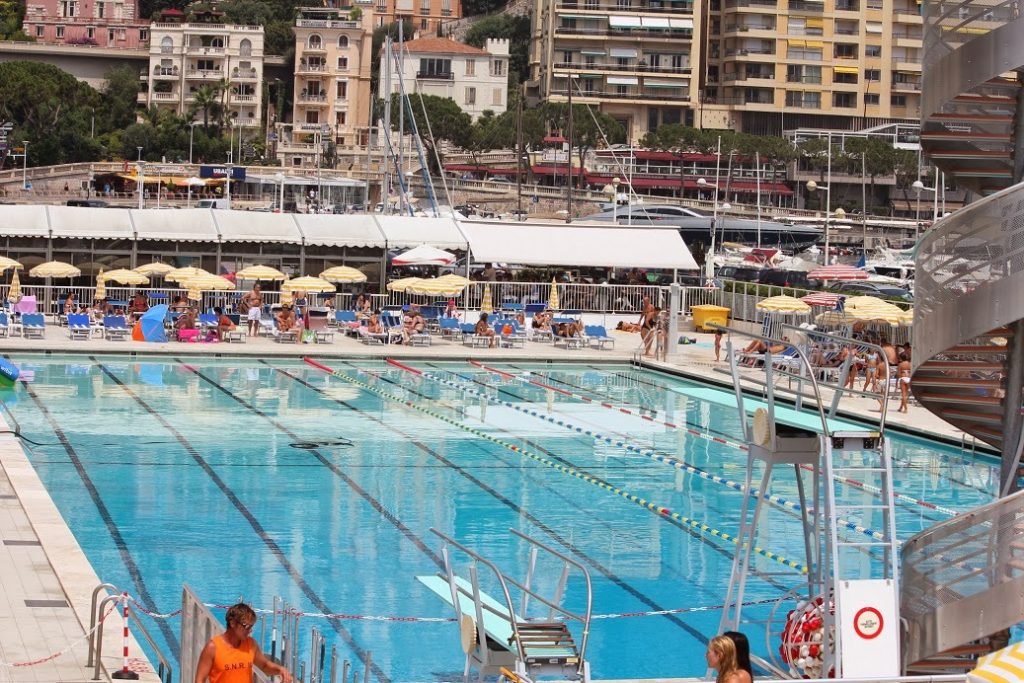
(442, 46)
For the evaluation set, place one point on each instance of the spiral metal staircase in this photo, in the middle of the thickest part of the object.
(968, 365)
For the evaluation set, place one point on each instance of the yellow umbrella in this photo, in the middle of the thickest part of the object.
(123, 276)
(436, 287)
(832, 318)
(343, 274)
(57, 269)
(101, 287)
(179, 275)
(553, 298)
(1001, 666)
(454, 279)
(208, 282)
(907, 318)
(286, 298)
(783, 304)
(869, 308)
(308, 284)
(6, 263)
(260, 273)
(401, 284)
(485, 304)
(14, 295)
(195, 295)
(155, 268)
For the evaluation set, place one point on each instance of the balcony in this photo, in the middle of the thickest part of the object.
(813, 80)
(432, 76)
(577, 67)
(242, 99)
(143, 98)
(663, 95)
(204, 50)
(203, 74)
(313, 99)
(315, 49)
(244, 75)
(326, 23)
(678, 33)
(806, 7)
(906, 86)
(751, 4)
(304, 67)
(649, 7)
(165, 73)
(311, 127)
(753, 53)
(165, 96)
(748, 28)
(847, 6)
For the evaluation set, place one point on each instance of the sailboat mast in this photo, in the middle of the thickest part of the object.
(401, 112)
(386, 178)
(519, 158)
(568, 216)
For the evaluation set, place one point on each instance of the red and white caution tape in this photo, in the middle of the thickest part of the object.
(55, 655)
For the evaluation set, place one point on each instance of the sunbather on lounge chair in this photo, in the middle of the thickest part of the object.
(482, 329)
(224, 323)
(286, 322)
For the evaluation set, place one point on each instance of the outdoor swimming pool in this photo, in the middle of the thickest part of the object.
(263, 479)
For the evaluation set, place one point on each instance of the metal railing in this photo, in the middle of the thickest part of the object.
(973, 565)
(96, 616)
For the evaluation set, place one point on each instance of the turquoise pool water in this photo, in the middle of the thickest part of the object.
(263, 479)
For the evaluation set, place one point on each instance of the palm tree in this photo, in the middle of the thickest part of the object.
(206, 100)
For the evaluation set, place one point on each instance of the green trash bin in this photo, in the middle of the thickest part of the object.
(708, 314)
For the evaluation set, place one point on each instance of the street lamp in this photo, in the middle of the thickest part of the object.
(140, 171)
(191, 133)
(140, 153)
(840, 214)
(709, 261)
(920, 187)
(24, 164)
(279, 177)
(227, 194)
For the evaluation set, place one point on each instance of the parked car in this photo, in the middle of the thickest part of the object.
(783, 278)
(95, 203)
(872, 289)
(741, 273)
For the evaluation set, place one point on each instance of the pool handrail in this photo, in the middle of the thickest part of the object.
(164, 671)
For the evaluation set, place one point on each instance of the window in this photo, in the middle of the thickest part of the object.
(342, 90)
(315, 42)
(90, 32)
(110, 35)
(871, 98)
(205, 64)
(39, 31)
(343, 42)
(297, 161)
(312, 116)
(471, 66)
(567, 57)
(101, 10)
(898, 100)
(845, 78)
(60, 31)
(424, 24)
(872, 50)
(498, 67)
(166, 45)
(872, 74)
(217, 42)
(435, 67)
(245, 48)
(845, 100)
(470, 95)
(342, 63)
(341, 118)
(496, 97)
(845, 51)
(143, 34)
(69, 8)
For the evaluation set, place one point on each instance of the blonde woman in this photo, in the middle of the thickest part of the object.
(721, 656)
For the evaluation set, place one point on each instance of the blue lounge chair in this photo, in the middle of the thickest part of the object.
(79, 326)
(5, 325)
(115, 327)
(471, 338)
(449, 327)
(514, 338)
(597, 337)
(207, 320)
(33, 325)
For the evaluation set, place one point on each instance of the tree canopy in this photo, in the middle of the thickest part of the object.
(517, 30)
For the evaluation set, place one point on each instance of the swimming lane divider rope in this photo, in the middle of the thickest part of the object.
(642, 502)
(708, 437)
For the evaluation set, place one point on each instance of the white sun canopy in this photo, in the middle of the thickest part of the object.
(553, 244)
(86, 222)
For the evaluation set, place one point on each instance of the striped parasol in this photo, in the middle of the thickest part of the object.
(783, 304)
(402, 284)
(1001, 666)
(486, 305)
(101, 287)
(868, 308)
(260, 273)
(6, 263)
(436, 287)
(307, 284)
(553, 303)
(14, 294)
(343, 274)
(123, 276)
(155, 268)
(57, 269)
(179, 275)
(837, 271)
(824, 299)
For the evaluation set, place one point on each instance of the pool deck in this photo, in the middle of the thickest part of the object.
(46, 581)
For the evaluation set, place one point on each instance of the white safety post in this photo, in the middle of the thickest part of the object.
(674, 301)
(125, 673)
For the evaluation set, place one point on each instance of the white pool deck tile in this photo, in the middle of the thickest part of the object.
(57, 569)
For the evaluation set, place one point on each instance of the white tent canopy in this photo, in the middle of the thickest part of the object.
(577, 245)
(405, 232)
(78, 221)
(349, 230)
(424, 255)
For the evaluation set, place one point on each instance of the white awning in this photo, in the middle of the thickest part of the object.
(257, 226)
(557, 244)
(655, 22)
(873, 26)
(23, 220)
(291, 180)
(618, 21)
(407, 231)
(328, 230)
(625, 52)
(666, 84)
(596, 51)
(623, 80)
(90, 222)
(184, 225)
(681, 23)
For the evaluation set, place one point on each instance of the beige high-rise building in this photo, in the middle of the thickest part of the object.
(427, 16)
(186, 56)
(332, 88)
(758, 66)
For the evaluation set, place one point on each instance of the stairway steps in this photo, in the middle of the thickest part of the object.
(955, 382)
(996, 418)
(976, 349)
(959, 398)
(939, 365)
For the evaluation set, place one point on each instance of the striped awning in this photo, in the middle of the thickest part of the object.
(845, 70)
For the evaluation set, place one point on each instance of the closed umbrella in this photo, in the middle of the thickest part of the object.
(308, 284)
(486, 305)
(6, 263)
(14, 294)
(553, 304)
(260, 273)
(837, 271)
(123, 276)
(57, 269)
(424, 255)
(402, 284)
(343, 274)
(101, 287)
(179, 275)
(155, 268)
(783, 304)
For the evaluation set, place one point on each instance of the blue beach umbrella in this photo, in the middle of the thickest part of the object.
(152, 324)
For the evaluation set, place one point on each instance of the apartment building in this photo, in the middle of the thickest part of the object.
(838, 64)
(104, 23)
(634, 59)
(332, 88)
(190, 60)
(427, 16)
(476, 79)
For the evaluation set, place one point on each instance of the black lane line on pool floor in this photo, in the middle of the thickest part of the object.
(611, 576)
(269, 542)
(108, 520)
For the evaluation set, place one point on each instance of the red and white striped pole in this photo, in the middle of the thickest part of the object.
(125, 673)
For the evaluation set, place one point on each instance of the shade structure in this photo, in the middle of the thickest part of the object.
(343, 274)
(486, 305)
(260, 273)
(553, 303)
(207, 282)
(154, 268)
(826, 299)
(101, 287)
(56, 269)
(6, 263)
(14, 294)
(152, 324)
(454, 279)
(869, 308)
(424, 255)
(308, 284)
(783, 304)
(123, 276)
(402, 284)
(1001, 666)
(838, 271)
(436, 287)
(181, 274)
(832, 318)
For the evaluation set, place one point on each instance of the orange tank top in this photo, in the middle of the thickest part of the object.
(232, 664)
